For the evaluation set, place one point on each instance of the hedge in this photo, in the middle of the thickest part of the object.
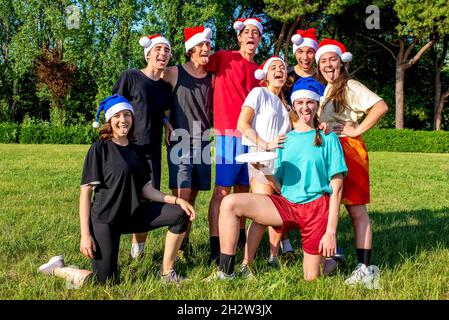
(376, 139)
(407, 140)
(44, 132)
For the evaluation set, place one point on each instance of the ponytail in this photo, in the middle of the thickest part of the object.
(318, 139)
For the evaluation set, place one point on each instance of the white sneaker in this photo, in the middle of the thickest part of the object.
(369, 276)
(52, 264)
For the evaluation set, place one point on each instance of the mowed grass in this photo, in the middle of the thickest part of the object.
(39, 190)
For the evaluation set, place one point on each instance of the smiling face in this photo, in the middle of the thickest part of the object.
(277, 74)
(330, 66)
(306, 109)
(249, 39)
(200, 53)
(305, 57)
(159, 56)
(121, 123)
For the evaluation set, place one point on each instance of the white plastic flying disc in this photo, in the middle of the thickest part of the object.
(254, 157)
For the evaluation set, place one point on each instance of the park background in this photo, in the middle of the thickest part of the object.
(58, 59)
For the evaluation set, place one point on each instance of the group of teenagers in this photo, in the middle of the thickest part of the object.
(312, 115)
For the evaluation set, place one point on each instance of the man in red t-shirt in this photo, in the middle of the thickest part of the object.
(234, 79)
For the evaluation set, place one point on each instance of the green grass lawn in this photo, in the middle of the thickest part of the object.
(39, 190)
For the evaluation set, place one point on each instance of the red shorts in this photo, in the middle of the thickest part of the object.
(311, 218)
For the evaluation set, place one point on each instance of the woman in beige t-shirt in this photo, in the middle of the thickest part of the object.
(346, 101)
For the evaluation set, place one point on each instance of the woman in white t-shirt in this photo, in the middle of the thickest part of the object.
(263, 122)
(346, 101)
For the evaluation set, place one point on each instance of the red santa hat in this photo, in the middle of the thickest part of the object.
(241, 23)
(149, 42)
(330, 45)
(195, 35)
(305, 38)
(261, 72)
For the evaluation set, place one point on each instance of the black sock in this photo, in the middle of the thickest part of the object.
(214, 245)
(227, 263)
(242, 238)
(364, 256)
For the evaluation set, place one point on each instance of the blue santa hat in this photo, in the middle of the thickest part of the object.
(307, 88)
(111, 105)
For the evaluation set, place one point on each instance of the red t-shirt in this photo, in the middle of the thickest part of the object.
(234, 79)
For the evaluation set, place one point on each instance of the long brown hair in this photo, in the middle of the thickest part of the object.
(106, 133)
(338, 91)
(318, 139)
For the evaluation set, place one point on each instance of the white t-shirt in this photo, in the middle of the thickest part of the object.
(359, 98)
(270, 116)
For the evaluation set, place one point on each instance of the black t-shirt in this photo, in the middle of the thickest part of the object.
(118, 174)
(149, 99)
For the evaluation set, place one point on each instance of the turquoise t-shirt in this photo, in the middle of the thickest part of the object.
(305, 170)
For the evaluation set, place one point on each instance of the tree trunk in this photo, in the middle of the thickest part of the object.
(399, 92)
(280, 39)
(439, 111)
(289, 36)
(437, 98)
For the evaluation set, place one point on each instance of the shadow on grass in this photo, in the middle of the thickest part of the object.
(399, 235)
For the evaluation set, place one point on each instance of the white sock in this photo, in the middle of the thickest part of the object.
(286, 246)
(137, 249)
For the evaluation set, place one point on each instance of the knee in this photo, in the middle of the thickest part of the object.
(182, 221)
(359, 214)
(219, 194)
(228, 206)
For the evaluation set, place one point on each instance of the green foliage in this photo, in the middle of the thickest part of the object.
(9, 132)
(407, 141)
(38, 132)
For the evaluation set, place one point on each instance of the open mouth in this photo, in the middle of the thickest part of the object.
(279, 76)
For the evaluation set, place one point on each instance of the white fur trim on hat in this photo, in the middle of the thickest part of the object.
(307, 42)
(148, 44)
(198, 38)
(117, 108)
(325, 49)
(298, 94)
(261, 74)
(96, 125)
(240, 25)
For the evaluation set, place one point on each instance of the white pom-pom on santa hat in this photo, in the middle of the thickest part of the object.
(208, 32)
(259, 74)
(346, 57)
(96, 125)
(238, 25)
(297, 39)
(145, 42)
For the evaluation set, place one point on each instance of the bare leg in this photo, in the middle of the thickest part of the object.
(241, 189)
(274, 237)
(214, 208)
(172, 244)
(362, 226)
(256, 207)
(312, 266)
(255, 234)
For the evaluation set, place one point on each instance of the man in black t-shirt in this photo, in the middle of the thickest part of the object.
(150, 97)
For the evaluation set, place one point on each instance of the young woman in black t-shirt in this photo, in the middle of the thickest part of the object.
(115, 171)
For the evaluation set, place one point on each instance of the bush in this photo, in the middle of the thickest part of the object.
(407, 140)
(44, 132)
(9, 132)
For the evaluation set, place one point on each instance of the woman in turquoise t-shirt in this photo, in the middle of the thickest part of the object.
(309, 176)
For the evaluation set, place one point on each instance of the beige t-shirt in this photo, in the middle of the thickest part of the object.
(360, 99)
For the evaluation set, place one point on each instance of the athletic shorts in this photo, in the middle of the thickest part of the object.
(356, 183)
(311, 219)
(228, 172)
(190, 169)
